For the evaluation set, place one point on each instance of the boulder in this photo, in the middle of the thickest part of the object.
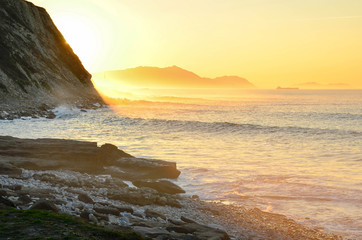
(85, 215)
(140, 168)
(153, 214)
(45, 206)
(25, 199)
(125, 209)
(107, 210)
(85, 198)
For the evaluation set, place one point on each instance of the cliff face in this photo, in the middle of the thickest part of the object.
(37, 65)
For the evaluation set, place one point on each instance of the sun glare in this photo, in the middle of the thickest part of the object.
(82, 36)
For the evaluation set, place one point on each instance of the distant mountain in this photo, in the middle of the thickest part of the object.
(38, 69)
(169, 77)
(315, 85)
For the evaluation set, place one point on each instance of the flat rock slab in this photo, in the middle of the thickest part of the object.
(80, 156)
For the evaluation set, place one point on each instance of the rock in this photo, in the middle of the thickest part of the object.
(140, 168)
(187, 220)
(176, 222)
(92, 218)
(81, 156)
(195, 197)
(109, 153)
(24, 199)
(173, 203)
(37, 65)
(107, 210)
(182, 229)
(203, 232)
(5, 203)
(100, 216)
(85, 215)
(162, 186)
(45, 205)
(85, 198)
(3, 192)
(212, 234)
(50, 115)
(15, 187)
(125, 209)
(152, 214)
(151, 232)
(9, 169)
(43, 107)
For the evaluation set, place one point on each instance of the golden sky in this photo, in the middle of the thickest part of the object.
(268, 42)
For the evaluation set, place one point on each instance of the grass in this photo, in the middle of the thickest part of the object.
(34, 224)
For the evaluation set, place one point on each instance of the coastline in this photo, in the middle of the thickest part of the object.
(114, 201)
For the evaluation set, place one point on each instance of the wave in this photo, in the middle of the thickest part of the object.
(227, 127)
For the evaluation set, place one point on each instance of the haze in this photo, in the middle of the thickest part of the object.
(270, 43)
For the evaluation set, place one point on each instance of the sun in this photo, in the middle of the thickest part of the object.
(82, 35)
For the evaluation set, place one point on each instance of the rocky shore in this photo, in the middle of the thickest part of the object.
(111, 188)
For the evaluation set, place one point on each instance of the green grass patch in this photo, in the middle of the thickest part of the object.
(34, 224)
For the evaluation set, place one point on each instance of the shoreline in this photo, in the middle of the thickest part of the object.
(141, 209)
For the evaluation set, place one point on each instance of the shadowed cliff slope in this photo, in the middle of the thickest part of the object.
(36, 64)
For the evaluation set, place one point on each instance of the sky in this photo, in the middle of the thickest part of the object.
(269, 42)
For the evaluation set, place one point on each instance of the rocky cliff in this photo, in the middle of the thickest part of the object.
(37, 65)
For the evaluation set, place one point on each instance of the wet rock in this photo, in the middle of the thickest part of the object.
(83, 157)
(162, 186)
(85, 198)
(153, 214)
(45, 205)
(109, 153)
(50, 115)
(140, 168)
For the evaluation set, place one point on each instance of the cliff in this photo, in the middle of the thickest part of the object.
(169, 77)
(37, 65)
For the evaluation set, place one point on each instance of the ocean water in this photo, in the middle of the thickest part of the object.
(297, 153)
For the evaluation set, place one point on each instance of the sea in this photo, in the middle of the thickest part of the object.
(291, 152)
